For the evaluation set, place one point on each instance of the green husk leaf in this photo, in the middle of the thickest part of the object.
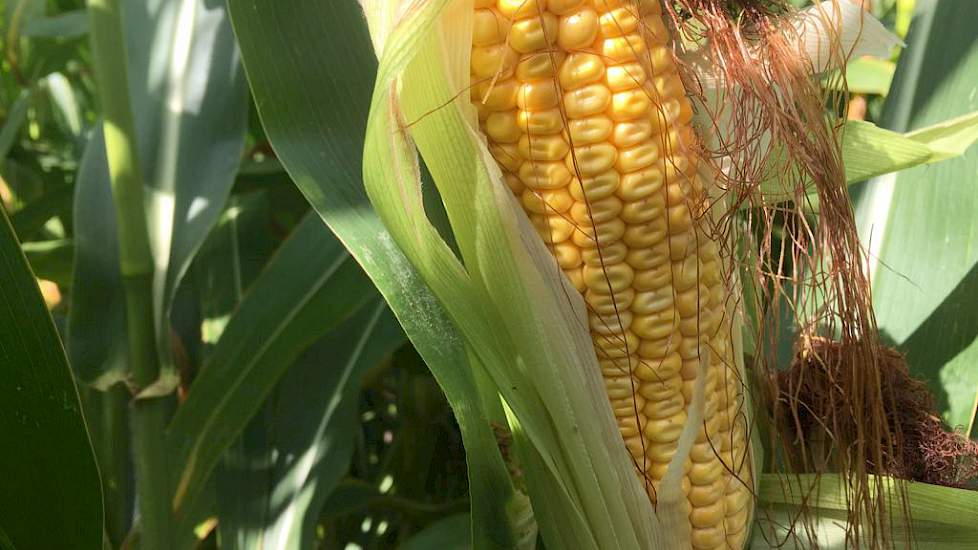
(938, 519)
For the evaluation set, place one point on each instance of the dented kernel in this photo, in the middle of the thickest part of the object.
(587, 100)
(580, 69)
(578, 29)
(533, 33)
(489, 27)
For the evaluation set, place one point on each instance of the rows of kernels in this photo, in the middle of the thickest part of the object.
(599, 163)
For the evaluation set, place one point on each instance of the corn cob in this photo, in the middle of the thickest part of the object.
(587, 117)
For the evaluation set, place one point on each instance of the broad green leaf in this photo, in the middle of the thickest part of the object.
(107, 415)
(49, 471)
(16, 116)
(51, 260)
(308, 287)
(96, 336)
(302, 62)
(31, 218)
(866, 75)
(872, 151)
(229, 261)
(869, 151)
(299, 446)
(937, 520)
(189, 102)
(63, 98)
(67, 25)
(921, 225)
(451, 532)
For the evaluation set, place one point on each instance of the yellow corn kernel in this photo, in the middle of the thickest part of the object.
(489, 27)
(501, 127)
(553, 229)
(596, 211)
(609, 280)
(544, 175)
(609, 304)
(612, 253)
(496, 61)
(591, 160)
(537, 96)
(578, 29)
(602, 234)
(547, 201)
(616, 323)
(594, 187)
(581, 69)
(539, 123)
(619, 21)
(629, 105)
(626, 76)
(533, 33)
(589, 130)
(539, 66)
(656, 370)
(587, 100)
(536, 148)
(639, 184)
(622, 49)
(516, 9)
(655, 326)
(561, 7)
(665, 430)
(643, 210)
(652, 301)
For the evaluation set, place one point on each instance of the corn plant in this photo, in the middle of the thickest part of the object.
(487, 274)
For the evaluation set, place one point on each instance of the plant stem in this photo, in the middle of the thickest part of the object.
(136, 268)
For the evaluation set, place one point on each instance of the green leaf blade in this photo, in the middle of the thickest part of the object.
(921, 225)
(49, 471)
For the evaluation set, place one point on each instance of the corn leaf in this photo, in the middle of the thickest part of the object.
(49, 471)
(67, 25)
(871, 151)
(292, 457)
(96, 335)
(302, 62)
(189, 101)
(16, 116)
(921, 225)
(866, 75)
(51, 260)
(309, 287)
(31, 218)
(450, 532)
(936, 521)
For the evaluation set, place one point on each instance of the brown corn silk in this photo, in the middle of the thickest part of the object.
(777, 129)
(588, 118)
